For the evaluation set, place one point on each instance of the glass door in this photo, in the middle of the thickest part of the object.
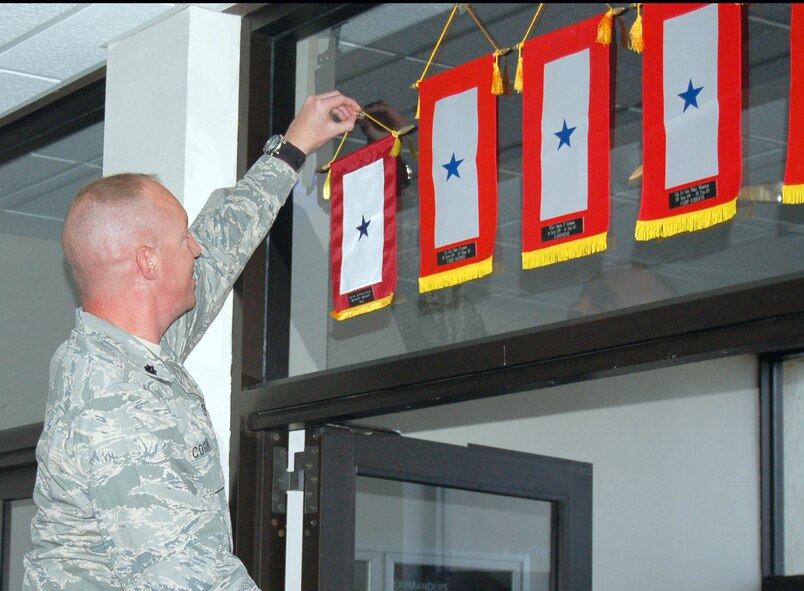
(382, 512)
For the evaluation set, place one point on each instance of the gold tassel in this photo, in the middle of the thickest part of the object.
(397, 149)
(326, 191)
(637, 43)
(496, 81)
(604, 28)
(518, 80)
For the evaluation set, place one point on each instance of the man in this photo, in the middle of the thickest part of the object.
(129, 487)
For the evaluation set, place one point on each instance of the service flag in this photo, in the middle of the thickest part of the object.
(457, 175)
(691, 98)
(363, 229)
(793, 188)
(565, 143)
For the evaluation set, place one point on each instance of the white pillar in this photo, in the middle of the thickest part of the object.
(172, 109)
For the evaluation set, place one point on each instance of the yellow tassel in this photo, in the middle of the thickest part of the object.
(792, 194)
(397, 149)
(456, 276)
(496, 80)
(418, 106)
(326, 191)
(637, 43)
(604, 29)
(688, 222)
(362, 309)
(518, 81)
(564, 252)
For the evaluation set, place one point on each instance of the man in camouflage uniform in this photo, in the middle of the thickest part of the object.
(129, 488)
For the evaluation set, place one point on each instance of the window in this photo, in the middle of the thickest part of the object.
(734, 287)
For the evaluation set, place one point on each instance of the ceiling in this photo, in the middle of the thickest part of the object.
(45, 45)
(42, 48)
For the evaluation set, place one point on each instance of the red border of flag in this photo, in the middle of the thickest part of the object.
(380, 294)
(477, 73)
(536, 53)
(656, 218)
(793, 188)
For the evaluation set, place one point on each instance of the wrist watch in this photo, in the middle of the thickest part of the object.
(278, 147)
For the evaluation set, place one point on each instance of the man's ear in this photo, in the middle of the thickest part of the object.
(146, 262)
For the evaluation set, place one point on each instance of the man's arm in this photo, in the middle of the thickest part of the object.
(230, 228)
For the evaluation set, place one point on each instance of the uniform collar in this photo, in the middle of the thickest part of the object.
(139, 355)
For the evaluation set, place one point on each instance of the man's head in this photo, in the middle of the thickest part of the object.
(127, 243)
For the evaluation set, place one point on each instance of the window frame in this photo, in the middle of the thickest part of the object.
(759, 317)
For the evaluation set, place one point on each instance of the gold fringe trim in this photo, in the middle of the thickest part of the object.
(455, 276)
(792, 194)
(362, 308)
(688, 222)
(564, 252)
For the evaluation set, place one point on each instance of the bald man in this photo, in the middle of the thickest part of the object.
(129, 489)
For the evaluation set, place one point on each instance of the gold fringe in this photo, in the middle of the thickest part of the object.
(518, 79)
(636, 42)
(792, 194)
(604, 28)
(397, 148)
(455, 276)
(362, 308)
(564, 252)
(687, 222)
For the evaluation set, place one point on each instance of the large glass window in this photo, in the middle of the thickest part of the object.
(36, 190)
(377, 55)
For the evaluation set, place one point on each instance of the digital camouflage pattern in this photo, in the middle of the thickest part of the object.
(129, 489)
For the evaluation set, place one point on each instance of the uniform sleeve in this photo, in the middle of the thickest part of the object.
(160, 508)
(229, 228)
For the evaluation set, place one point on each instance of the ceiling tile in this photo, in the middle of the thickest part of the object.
(18, 19)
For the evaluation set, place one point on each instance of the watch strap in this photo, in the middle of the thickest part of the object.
(279, 147)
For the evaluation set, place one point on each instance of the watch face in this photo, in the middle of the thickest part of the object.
(274, 143)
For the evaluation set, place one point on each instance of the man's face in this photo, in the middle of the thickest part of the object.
(176, 252)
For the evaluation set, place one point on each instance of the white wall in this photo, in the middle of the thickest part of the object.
(675, 454)
(172, 94)
(37, 312)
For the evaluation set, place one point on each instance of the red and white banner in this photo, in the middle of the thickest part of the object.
(457, 174)
(363, 229)
(793, 188)
(565, 143)
(692, 94)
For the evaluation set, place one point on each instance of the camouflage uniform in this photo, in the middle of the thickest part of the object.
(130, 490)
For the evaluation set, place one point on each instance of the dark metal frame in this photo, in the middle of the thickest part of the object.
(328, 540)
(772, 463)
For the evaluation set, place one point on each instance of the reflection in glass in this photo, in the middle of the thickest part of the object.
(377, 55)
(412, 537)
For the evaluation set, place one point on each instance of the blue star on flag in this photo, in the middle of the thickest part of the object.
(452, 167)
(690, 96)
(564, 135)
(363, 228)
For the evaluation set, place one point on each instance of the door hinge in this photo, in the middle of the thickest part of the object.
(304, 477)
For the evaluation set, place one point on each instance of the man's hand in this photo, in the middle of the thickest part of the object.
(321, 118)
